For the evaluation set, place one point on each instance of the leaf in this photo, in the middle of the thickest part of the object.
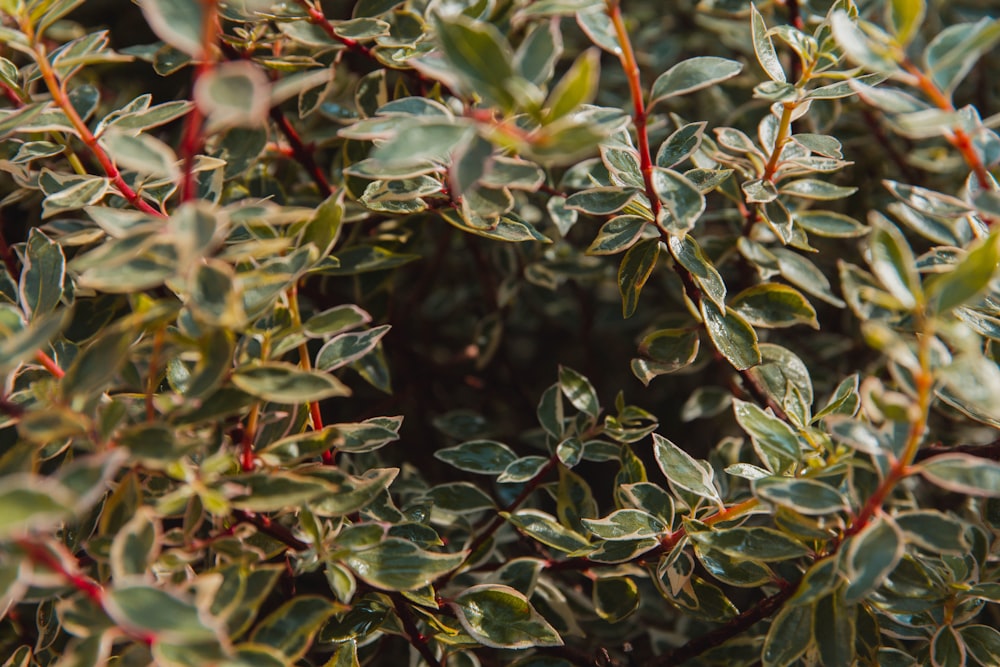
(764, 47)
(545, 529)
(683, 203)
(501, 617)
(772, 305)
(683, 471)
(480, 55)
(982, 643)
(578, 86)
(871, 555)
(233, 94)
(858, 46)
(135, 546)
(967, 279)
(693, 74)
(947, 648)
(291, 627)
(350, 493)
(153, 611)
(628, 524)
(142, 153)
(43, 274)
(904, 18)
(601, 201)
(829, 224)
(615, 598)
(460, 498)
(689, 254)
(34, 503)
(578, 390)
(398, 565)
(951, 55)
(636, 268)
(756, 543)
(96, 366)
(789, 636)
(805, 496)
(775, 441)
(176, 22)
(802, 273)
(348, 347)
(731, 335)
(671, 349)
(299, 446)
(281, 382)
(484, 457)
(893, 263)
(962, 473)
(523, 469)
(835, 630)
(537, 55)
(274, 491)
(934, 531)
(680, 145)
(336, 320)
(617, 234)
(17, 343)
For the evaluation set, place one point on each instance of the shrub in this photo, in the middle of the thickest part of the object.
(318, 322)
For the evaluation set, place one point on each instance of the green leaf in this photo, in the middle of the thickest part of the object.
(756, 543)
(96, 367)
(617, 234)
(789, 636)
(460, 498)
(480, 55)
(351, 493)
(683, 203)
(281, 382)
(578, 390)
(774, 440)
(43, 274)
(501, 617)
(683, 471)
(829, 224)
(967, 279)
(274, 491)
(537, 55)
(871, 555)
(689, 254)
(135, 546)
(349, 347)
(398, 565)
(680, 145)
(671, 349)
(158, 613)
(951, 55)
(812, 188)
(602, 200)
(947, 648)
(299, 446)
(176, 22)
(615, 598)
(484, 457)
(578, 86)
(859, 46)
(693, 74)
(233, 94)
(982, 643)
(628, 524)
(835, 630)
(802, 273)
(934, 531)
(336, 320)
(31, 502)
(636, 268)
(731, 335)
(764, 47)
(965, 474)
(291, 627)
(545, 529)
(904, 18)
(805, 496)
(772, 305)
(893, 263)
(142, 153)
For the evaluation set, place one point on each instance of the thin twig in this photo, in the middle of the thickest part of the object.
(416, 638)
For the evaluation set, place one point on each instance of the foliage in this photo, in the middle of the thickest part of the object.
(293, 295)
